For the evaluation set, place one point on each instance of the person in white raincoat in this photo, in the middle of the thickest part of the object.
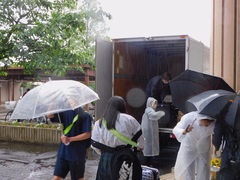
(193, 131)
(150, 130)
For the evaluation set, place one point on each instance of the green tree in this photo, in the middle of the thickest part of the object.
(54, 36)
(94, 18)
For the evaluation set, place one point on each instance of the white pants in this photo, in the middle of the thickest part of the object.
(198, 170)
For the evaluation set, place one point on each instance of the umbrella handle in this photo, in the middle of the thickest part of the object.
(59, 118)
(194, 121)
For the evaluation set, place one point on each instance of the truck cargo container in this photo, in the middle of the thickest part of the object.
(124, 66)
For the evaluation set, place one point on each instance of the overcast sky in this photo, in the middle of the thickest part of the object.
(144, 18)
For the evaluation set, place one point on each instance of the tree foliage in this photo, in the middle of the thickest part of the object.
(53, 35)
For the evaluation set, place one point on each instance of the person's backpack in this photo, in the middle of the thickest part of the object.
(125, 165)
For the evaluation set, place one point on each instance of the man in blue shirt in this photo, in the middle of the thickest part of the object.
(72, 149)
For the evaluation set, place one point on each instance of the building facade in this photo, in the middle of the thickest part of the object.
(225, 42)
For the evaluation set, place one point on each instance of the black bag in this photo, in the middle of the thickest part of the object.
(233, 145)
(125, 164)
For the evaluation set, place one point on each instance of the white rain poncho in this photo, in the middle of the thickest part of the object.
(194, 148)
(150, 129)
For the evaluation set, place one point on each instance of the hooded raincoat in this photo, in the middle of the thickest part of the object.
(150, 128)
(194, 149)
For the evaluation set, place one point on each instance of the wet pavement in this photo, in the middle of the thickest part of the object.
(20, 161)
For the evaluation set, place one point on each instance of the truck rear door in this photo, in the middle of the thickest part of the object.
(195, 57)
(104, 74)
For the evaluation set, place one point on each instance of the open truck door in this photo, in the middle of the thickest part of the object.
(104, 74)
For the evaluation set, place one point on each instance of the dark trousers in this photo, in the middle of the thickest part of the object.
(229, 173)
(147, 160)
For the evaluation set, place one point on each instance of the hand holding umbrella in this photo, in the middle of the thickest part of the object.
(65, 140)
(189, 128)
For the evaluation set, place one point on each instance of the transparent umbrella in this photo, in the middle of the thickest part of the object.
(53, 97)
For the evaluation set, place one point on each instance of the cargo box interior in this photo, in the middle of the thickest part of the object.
(136, 61)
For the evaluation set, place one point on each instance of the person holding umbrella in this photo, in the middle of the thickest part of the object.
(63, 97)
(73, 148)
(227, 140)
(194, 132)
(225, 107)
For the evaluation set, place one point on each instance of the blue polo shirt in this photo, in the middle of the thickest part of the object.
(75, 150)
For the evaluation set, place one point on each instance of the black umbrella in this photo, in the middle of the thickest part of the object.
(219, 104)
(190, 83)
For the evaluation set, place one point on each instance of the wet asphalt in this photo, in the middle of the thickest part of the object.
(20, 161)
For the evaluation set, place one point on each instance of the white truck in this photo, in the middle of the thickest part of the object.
(124, 66)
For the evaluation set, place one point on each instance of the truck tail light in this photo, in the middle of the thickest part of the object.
(172, 136)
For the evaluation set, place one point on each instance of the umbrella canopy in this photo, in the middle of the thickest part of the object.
(190, 83)
(219, 104)
(53, 97)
